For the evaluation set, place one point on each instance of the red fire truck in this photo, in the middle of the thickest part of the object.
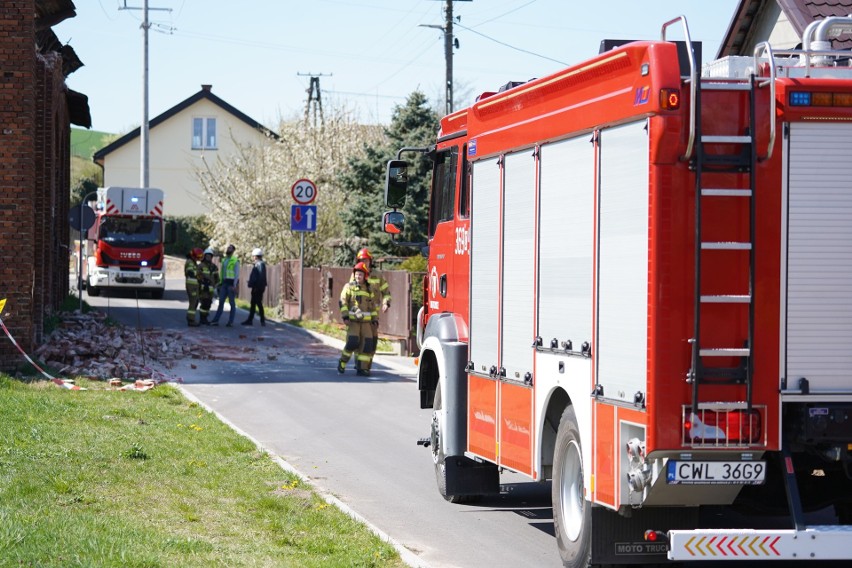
(127, 241)
(640, 287)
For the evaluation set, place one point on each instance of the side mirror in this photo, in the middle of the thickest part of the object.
(396, 183)
(393, 222)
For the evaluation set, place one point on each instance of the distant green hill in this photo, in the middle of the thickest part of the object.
(84, 143)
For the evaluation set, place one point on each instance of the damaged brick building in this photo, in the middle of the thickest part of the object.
(36, 114)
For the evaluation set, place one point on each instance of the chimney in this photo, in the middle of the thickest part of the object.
(206, 88)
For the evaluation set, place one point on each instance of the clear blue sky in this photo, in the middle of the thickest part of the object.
(371, 53)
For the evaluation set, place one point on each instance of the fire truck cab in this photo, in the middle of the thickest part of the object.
(127, 241)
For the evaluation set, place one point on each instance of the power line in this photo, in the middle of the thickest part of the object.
(406, 65)
(505, 13)
(370, 95)
(512, 46)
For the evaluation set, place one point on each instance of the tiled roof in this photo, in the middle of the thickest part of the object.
(803, 12)
(49, 13)
(824, 8)
(800, 13)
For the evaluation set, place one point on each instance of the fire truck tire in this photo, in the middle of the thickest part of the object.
(437, 446)
(572, 515)
(93, 290)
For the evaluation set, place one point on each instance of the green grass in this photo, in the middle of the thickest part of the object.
(107, 478)
(84, 143)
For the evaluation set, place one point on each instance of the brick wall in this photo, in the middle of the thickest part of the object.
(34, 182)
(52, 171)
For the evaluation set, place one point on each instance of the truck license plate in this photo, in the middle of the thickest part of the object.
(716, 472)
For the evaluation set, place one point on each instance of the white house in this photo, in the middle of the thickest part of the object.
(181, 140)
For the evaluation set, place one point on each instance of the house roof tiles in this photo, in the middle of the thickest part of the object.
(800, 13)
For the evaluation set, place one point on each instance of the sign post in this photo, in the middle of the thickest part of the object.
(81, 219)
(303, 218)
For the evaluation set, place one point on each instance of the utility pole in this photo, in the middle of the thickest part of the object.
(449, 44)
(314, 101)
(144, 165)
(145, 159)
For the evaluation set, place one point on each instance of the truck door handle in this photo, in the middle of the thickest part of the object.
(443, 285)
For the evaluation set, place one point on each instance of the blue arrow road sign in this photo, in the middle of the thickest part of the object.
(303, 218)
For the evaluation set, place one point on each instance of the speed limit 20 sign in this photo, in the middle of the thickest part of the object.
(304, 191)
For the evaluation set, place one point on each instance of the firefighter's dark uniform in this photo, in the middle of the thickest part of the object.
(208, 277)
(358, 310)
(190, 271)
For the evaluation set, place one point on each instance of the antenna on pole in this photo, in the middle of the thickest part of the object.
(144, 157)
(313, 106)
(449, 43)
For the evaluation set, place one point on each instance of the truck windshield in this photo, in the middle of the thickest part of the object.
(131, 232)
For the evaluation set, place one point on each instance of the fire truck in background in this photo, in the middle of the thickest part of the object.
(126, 242)
(640, 287)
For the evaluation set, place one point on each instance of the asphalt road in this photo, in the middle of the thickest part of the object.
(352, 437)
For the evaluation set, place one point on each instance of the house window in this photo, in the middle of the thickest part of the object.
(203, 133)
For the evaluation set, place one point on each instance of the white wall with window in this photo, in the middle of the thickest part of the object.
(194, 138)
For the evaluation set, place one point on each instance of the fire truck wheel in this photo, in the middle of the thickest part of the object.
(437, 446)
(572, 516)
(93, 290)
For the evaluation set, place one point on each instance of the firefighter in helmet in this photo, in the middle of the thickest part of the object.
(208, 279)
(381, 295)
(190, 272)
(358, 310)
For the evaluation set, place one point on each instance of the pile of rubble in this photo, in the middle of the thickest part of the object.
(86, 345)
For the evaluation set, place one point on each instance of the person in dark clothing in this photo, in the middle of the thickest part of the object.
(257, 283)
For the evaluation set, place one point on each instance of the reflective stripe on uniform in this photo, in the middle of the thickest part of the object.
(353, 296)
(380, 285)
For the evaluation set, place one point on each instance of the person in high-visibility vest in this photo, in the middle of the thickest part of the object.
(208, 280)
(381, 295)
(190, 272)
(357, 309)
(228, 282)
